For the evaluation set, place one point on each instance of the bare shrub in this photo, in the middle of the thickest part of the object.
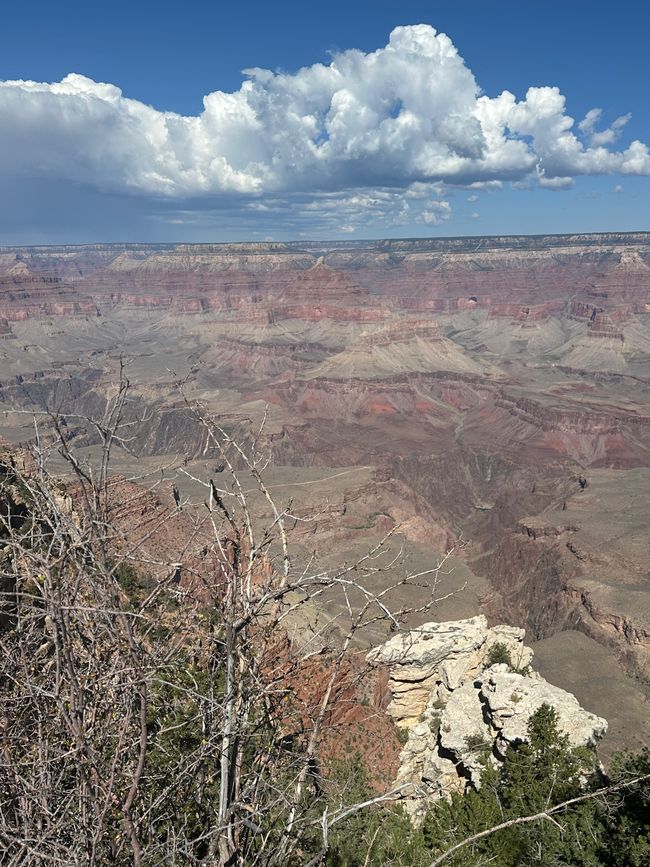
(149, 704)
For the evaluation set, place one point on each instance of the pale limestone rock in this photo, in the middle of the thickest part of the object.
(512, 699)
(432, 643)
(409, 700)
(423, 772)
(441, 656)
(445, 694)
(440, 779)
(463, 730)
(432, 654)
(513, 639)
(457, 669)
(440, 773)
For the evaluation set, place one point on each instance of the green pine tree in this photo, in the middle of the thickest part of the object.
(627, 819)
(535, 775)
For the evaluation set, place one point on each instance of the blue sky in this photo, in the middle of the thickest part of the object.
(382, 145)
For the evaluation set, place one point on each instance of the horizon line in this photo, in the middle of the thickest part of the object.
(325, 241)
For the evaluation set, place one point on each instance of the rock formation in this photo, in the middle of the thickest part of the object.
(461, 707)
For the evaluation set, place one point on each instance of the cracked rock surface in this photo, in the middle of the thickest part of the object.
(461, 709)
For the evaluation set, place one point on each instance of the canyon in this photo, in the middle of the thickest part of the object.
(485, 396)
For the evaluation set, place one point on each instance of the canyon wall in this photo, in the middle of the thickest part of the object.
(499, 384)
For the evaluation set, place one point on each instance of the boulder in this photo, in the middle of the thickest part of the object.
(464, 732)
(427, 646)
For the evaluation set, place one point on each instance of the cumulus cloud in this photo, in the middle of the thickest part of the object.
(384, 134)
(609, 135)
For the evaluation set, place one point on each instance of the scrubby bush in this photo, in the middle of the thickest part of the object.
(499, 653)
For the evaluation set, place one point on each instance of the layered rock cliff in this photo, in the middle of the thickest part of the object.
(464, 693)
(485, 377)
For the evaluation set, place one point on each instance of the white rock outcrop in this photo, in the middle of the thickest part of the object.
(462, 708)
(511, 700)
(441, 657)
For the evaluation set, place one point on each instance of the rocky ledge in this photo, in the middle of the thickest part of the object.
(462, 692)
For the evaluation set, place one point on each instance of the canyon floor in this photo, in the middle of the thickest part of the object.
(486, 395)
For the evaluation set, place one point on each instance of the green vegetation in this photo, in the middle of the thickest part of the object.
(369, 522)
(478, 742)
(136, 583)
(402, 735)
(534, 777)
(499, 653)
(379, 836)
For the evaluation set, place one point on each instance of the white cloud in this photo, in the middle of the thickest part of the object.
(363, 208)
(556, 182)
(617, 188)
(378, 136)
(587, 127)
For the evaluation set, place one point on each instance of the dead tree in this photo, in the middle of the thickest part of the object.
(156, 722)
